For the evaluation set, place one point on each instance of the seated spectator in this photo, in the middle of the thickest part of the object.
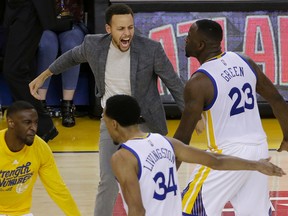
(57, 41)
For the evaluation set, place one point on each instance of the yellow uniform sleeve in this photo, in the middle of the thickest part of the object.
(54, 184)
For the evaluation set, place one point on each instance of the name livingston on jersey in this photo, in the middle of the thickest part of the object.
(156, 155)
(232, 72)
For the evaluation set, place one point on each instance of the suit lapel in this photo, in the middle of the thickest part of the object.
(102, 62)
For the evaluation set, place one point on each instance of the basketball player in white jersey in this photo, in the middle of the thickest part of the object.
(225, 88)
(145, 164)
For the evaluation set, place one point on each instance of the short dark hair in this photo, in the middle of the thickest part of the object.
(18, 106)
(117, 9)
(210, 29)
(124, 109)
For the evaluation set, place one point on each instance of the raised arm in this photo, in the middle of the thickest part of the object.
(125, 168)
(222, 162)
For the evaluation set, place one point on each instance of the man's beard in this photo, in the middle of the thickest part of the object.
(28, 143)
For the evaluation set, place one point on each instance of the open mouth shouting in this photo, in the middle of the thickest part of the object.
(124, 44)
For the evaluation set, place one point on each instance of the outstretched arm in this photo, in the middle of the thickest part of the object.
(125, 168)
(222, 162)
(35, 84)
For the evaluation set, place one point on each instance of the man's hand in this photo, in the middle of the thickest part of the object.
(38, 82)
(268, 168)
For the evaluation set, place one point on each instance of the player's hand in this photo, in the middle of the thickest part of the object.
(200, 126)
(283, 146)
(269, 168)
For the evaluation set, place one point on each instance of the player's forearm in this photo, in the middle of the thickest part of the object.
(58, 190)
(234, 163)
(187, 125)
(65, 202)
(184, 131)
(182, 136)
(224, 162)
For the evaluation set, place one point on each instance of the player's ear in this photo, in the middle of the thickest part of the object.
(202, 45)
(114, 124)
(108, 28)
(10, 123)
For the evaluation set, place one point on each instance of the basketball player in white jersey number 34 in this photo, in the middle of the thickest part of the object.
(145, 164)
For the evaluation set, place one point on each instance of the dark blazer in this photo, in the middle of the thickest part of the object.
(148, 62)
(2, 9)
(46, 11)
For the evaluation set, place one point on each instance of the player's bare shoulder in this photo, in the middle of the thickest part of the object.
(199, 85)
(199, 79)
(122, 157)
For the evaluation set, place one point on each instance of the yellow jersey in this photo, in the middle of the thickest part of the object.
(18, 174)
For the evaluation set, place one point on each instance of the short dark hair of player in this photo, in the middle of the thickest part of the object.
(18, 106)
(117, 9)
(124, 109)
(211, 29)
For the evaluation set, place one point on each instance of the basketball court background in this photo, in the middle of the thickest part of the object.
(76, 154)
(261, 34)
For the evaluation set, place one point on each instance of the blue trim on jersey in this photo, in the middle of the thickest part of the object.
(137, 157)
(169, 143)
(245, 60)
(215, 88)
(185, 214)
(270, 211)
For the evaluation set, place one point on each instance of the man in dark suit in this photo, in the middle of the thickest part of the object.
(2, 8)
(25, 21)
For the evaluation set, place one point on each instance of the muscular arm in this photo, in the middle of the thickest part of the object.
(198, 92)
(268, 91)
(125, 168)
(222, 162)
